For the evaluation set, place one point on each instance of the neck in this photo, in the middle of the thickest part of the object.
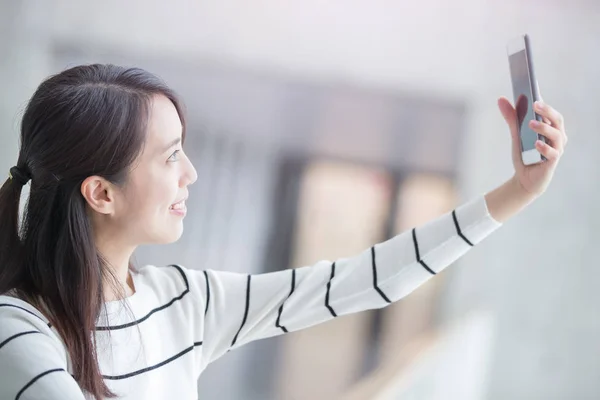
(117, 259)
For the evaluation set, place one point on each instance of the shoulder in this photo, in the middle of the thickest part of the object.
(168, 278)
(169, 282)
(14, 310)
(173, 282)
(23, 324)
(32, 357)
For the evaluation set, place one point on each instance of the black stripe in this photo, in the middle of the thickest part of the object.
(130, 324)
(207, 292)
(328, 289)
(245, 312)
(283, 328)
(458, 229)
(185, 280)
(143, 370)
(24, 309)
(16, 336)
(375, 276)
(31, 382)
(414, 236)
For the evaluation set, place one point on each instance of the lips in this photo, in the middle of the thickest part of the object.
(179, 207)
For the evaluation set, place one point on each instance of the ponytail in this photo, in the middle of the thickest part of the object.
(11, 246)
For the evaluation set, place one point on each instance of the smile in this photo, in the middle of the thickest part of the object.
(178, 208)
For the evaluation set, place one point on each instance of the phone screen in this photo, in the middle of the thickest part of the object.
(523, 98)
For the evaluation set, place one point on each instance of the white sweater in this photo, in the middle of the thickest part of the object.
(189, 318)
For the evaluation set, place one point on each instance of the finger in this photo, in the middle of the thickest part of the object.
(547, 151)
(565, 138)
(555, 118)
(546, 119)
(549, 132)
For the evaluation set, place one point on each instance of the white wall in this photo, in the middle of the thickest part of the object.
(538, 274)
(24, 62)
(382, 42)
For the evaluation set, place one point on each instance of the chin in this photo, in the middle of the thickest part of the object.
(168, 237)
(173, 237)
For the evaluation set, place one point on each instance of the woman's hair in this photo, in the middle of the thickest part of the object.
(85, 121)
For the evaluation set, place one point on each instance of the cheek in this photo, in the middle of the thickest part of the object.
(150, 194)
(152, 200)
(157, 197)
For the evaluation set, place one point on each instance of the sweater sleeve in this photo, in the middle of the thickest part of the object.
(239, 308)
(32, 364)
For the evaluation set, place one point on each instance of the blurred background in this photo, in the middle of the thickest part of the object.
(321, 127)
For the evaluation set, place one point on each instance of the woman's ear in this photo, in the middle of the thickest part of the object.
(99, 194)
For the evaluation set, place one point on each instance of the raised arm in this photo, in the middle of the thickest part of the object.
(240, 308)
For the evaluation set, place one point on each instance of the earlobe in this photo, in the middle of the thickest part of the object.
(97, 192)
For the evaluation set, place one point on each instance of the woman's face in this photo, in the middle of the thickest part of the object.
(150, 207)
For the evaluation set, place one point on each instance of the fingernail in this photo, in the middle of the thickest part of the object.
(535, 123)
(539, 105)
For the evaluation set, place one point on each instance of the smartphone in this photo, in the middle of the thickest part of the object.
(525, 92)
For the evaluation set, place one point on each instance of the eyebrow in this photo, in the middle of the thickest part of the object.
(171, 144)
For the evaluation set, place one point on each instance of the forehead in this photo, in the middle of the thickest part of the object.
(164, 124)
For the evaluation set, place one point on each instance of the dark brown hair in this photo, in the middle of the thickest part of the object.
(86, 121)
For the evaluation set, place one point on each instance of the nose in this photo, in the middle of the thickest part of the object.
(190, 175)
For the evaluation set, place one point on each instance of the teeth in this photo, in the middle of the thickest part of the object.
(178, 206)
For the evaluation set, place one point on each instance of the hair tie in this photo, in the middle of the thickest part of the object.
(19, 175)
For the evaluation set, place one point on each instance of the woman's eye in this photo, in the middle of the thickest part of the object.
(174, 156)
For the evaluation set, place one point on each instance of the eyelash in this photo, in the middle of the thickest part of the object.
(172, 157)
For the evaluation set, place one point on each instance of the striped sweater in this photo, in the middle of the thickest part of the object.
(182, 319)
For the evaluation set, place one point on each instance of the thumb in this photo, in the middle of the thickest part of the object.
(510, 116)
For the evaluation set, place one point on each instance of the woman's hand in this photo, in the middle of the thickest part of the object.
(535, 178)
(529, 181)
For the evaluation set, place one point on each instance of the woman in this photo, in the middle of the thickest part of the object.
(102, 147)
